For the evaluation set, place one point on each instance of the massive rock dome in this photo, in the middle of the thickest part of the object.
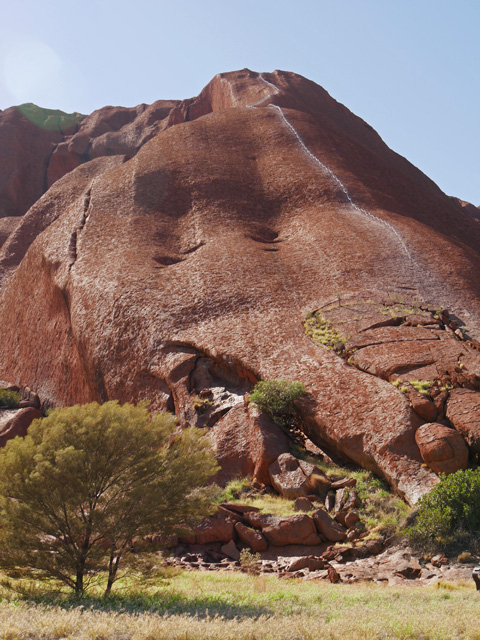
(181, 251)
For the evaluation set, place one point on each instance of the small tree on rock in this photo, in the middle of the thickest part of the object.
(277, 398)
(88, 479)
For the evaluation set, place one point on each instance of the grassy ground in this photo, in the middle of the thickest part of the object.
(207, 605)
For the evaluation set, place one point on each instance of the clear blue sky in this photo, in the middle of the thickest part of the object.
(411, 68)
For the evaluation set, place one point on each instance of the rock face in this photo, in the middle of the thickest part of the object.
(180, 246)
(463, 411)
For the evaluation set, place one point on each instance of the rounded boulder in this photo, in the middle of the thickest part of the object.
(442, 449)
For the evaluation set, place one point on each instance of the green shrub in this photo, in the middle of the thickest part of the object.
(277, 398)
(450, 514)
(9, 398)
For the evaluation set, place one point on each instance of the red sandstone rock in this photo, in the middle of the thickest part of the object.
(312, 563)
(303, 504)
(239, 508)
(353, 501)
(344, 483)
(246, 442)
(351, 519)
(214, 530)
(328, 527)
(15, 422)
(423, 407)
(254, 539)
(287, 477)
(199, 253)
(333, 574)
(442, 448)
(230, 550)
(463, 411)
(282, 531)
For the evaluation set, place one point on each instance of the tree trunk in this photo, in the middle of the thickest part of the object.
(79, 579)
(113, 563)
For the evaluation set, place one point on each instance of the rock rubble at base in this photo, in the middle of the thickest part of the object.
(393, 566)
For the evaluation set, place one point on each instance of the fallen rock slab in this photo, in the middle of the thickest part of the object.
(325, 525)
(254, 539)
(312, 563)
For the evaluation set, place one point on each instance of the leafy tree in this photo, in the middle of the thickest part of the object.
(88, 479)
(450, 514)
(277, 398)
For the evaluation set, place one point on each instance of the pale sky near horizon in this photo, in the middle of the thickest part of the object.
(411, 69)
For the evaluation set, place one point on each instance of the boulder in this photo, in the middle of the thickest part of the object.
(423, 406)
(254, 539)
(281, 531)
(351, 519)
(463, 411)
(303, 504)
(215, 530)
(16, 422)
(239, 508)
(312, 563)
(353, 501)
(230, 550)
(343, 483)
(442, 449)
(333, 574)
(325, 525)
(245, 443)
(287, 477)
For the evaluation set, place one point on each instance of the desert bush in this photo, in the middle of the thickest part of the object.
(450, 514)
(249, 561)
(277, 398)
(9, 398)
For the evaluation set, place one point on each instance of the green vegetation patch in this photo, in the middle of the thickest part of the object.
(449, 516)
(51, 119)
(9, 398)
(322, 332)
(277, 399)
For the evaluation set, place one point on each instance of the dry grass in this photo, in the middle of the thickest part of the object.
(201, 606)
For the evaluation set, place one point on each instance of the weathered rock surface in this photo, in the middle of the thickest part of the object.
(463, 411)
(254, 539)
(281, 531)
(246, 442)
(330, 529)
(179, 249)
(15, 422)
(287, 477)
(218, 529)
(443, 449)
